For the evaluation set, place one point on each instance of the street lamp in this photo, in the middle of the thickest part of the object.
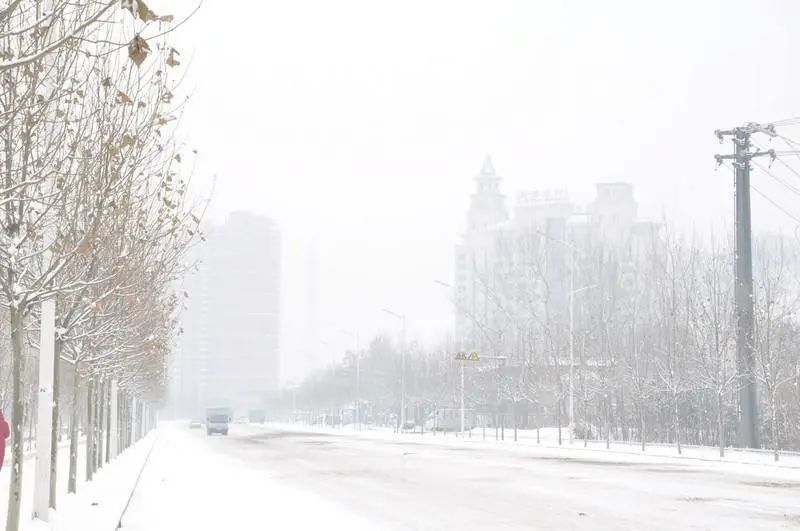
(462, 422)
(357, 419)
(572, 293)
(402, 319)
(333, 379)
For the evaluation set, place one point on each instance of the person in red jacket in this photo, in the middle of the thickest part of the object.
(4, 433)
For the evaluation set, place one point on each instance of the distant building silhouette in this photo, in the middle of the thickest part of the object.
(228, 354)
(509, 268)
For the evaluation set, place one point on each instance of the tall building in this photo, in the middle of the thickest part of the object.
(511, 270)
(487, 211)
(229, 351)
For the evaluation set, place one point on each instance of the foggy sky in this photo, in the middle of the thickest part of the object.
(362, 124)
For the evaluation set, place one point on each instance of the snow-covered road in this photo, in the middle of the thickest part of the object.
(297, 479)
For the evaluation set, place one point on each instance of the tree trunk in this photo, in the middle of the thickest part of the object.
(774, 421)
(31, 420)
(642, 425)
(677, 416)
(124, 421)
(89, 428)
(621, 412)
(720, 426)
(608, 422)
(17, 411)
(108, 423)
(559, 422)
(73, 431)
(585, 419)
(100, 424)
(56, 426)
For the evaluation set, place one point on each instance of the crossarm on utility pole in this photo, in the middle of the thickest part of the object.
(745, 351)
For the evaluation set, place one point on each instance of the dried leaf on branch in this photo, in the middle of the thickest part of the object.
(138, 50)
(171, 60)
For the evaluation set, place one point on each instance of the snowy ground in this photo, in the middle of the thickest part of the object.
(199, 483)
(97, 505)
(282, 477)
(28, 471)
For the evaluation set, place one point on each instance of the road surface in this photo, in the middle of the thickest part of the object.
(409, 484)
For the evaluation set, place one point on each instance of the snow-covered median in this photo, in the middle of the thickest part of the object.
(749, 462)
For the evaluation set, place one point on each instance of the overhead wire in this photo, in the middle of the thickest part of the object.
(791, 143)
(776, 205)
(768, 172)
(793, 217)
(786, 121)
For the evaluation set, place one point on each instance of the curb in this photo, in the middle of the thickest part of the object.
(136, 483)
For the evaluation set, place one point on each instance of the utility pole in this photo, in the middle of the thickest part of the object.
(357, 405)
(403, 376)
(571, 346)
(358, 385)
(462, 399)
(41, 500)
(745, 353)
(48, 365)
(402, 318)
(500, 364)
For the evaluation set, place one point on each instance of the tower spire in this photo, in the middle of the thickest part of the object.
(488, 168)
(488, 204)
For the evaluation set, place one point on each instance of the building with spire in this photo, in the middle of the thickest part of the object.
(510, 270)
(487, 211)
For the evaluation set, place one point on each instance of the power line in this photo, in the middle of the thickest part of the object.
(787, 121)
(788, 167)
(776, 205)
(789, 141)
(766, 197)
(767, 171)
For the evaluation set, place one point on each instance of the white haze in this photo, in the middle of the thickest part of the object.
(360, 125)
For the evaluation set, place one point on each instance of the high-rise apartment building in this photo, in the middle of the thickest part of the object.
(228, 353)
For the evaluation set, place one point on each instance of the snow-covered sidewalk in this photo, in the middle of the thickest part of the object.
(187, 484)
(98, 503)
(28, 471)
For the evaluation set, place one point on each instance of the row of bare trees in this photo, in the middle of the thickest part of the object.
(94, 215)
(653, 336)
(653, 341)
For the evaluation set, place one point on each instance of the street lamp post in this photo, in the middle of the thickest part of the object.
(501, 361)
(333, 382)
(357, 411)
(462, 399)
(462, 415)
(572, 293)
(402, 319)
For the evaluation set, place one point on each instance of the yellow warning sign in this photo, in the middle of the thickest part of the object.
(473, 356)
(461, 356)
